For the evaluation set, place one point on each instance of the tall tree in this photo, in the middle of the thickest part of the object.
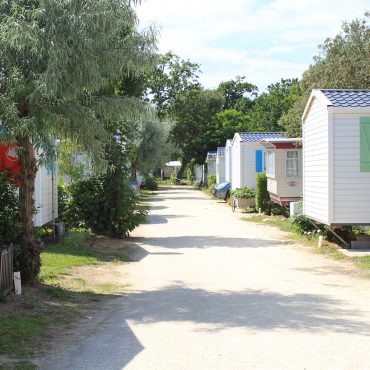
(56, 59)
(172, 76)
(193, 130)
(271, 105)
(227, 123)
(238, 93)
(343, 62)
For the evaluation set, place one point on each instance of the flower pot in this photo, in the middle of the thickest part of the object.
(245, 203)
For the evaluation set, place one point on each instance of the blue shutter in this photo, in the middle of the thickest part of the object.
(259, 161)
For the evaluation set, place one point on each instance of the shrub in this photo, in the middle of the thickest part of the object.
(105, 205)
(263, 201)
(211, 181)
(302, 225)
(62, 201)
(150, 183)
(10, 230)
(10, 222)
(243, 193)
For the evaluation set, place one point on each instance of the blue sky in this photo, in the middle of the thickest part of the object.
(264, 40)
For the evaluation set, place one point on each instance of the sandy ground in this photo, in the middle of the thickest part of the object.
(209, 291)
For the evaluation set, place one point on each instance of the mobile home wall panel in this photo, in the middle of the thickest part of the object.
(351, 187)
(316, 163)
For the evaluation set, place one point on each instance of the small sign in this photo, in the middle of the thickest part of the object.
(292, 183)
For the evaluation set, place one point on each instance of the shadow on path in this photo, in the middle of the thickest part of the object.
(251, 309)
(207, 241)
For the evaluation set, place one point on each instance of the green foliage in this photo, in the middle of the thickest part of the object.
(148, 146)
(71, 162)
(92, 205)
(10, 222)
(62, 201)
(342, 63)
(302, 225)
(192, 132)
(262, 195)
(270, 106)
(243, 193)
(211, 181)
(235, 94)
(227, 123)
(171, 78)
(150, 183)
(60, 61)
(106, 204)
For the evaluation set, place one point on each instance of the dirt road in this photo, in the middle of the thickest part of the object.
(209, 291)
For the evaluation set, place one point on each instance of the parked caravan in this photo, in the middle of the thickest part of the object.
(336, 157)
(247, 157)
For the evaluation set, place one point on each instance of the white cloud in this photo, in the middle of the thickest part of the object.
(279, 34)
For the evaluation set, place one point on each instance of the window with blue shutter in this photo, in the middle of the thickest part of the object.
(259, 161)
(365, 144)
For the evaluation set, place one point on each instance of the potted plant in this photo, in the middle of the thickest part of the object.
(243, 198)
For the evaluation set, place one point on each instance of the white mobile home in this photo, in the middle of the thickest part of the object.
(228, 160)
(247, 157)
(283, 164)
(46, 195)
(198, 172)
(336, 157)
(211, 162)
(220, 165)
(46, 189)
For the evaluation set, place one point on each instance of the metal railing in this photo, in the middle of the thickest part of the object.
(6, 270)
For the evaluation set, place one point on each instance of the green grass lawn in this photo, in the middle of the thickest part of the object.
(70, 252)
(57, 300)
(330, 250)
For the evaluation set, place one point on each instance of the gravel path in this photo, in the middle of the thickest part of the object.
(209, 291)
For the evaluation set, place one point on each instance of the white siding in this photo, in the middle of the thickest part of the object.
(235, 168)
(43, 196)
(228, 161)
(211, 167)
(220, 169)
(272, 185)
(198, 173)
(287, 186)
(316, 163)
(351, 188)
(249, 164)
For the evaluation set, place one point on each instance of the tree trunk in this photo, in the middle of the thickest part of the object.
(184, 163)
(29, 258)
(134, 168)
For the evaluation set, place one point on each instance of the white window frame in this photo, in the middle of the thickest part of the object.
(292, 168)
(270, 162)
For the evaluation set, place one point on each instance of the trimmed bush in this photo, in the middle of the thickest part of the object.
(263, 201)
(150, 183)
